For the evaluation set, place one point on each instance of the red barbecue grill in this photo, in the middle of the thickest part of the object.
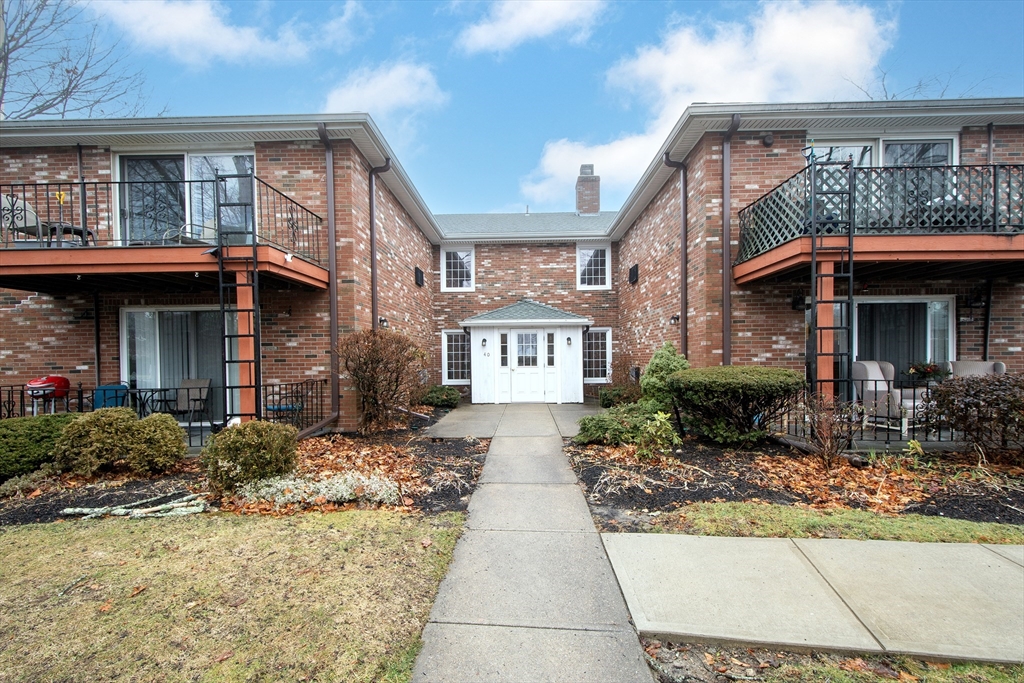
(48, 388)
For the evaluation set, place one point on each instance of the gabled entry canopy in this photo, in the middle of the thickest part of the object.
(526, 352)
(524, 313)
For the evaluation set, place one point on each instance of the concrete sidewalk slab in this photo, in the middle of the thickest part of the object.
(525, 445)
(468, 653)
(479, 421)
(527, 419)
(1014, 553)
(929, 599)
(754, 591)
(539, 469)
(523, 578)
(529, 507)
(566, 416)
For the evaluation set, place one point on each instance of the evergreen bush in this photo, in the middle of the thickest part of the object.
(26, 443)
(100, 440)
(442, 397)
(616, 426)
(734, 405)
(248, 452)
(157, 444)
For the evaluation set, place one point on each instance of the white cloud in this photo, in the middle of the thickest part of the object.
(785, 51)
(399, 87)
(512, 22)
(197, 31)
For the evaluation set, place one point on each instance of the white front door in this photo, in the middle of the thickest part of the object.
(527, 367)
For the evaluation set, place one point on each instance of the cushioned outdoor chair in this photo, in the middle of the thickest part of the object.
(970, 368)
(18, 217)
(884, 404)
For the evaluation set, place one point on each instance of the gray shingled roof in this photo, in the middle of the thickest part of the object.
(491, 226)
(526, 309)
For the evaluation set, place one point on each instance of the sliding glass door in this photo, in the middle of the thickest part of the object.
(163, 347)
(152, 198)
(904, 332)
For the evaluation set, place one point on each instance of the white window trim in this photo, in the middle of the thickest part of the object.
(877, 143)
(607, 265)
(608, 359)
(472, 267)
(950, 298)
(444, 361)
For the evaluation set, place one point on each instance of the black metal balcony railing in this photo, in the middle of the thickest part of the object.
(164, 213)
(887, 201)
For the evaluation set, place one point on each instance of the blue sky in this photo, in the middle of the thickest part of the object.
(493, 106)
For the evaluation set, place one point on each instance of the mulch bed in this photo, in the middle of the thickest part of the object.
(434, 475)
(625, 492)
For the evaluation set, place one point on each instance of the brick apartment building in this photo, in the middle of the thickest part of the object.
(133, 251)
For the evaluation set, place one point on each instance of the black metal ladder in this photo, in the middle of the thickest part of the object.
(832, 195)
(240, 320)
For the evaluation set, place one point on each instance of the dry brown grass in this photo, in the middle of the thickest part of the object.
(333, 597)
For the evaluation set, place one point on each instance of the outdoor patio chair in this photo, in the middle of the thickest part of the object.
(110, 396)
(883, 403)
(286, 404)
(970, 368)
(18, 216)
(189, 399)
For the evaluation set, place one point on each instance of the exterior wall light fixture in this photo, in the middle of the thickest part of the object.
(674, 320)
(483, 342)
(568, 341)
(382, 321)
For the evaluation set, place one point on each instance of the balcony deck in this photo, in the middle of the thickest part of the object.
(908, 221)
(74, 236)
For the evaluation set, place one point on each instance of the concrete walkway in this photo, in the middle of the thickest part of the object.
(935, 600)
(530, 594)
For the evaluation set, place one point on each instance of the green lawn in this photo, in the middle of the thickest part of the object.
(335, 597)
(786, 521)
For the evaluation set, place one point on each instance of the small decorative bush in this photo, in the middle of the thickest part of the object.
(656, 435)
(96, 441)
(26, 443)
(442, 397)
(385, 367)
(619, 425)
(987, 409)
(157, 444)
(654, 381)
(248, 452)
(732, 404)
(340, 488)
(27, 483)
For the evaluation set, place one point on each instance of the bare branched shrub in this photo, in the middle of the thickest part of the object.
(832, 425)
(385, 368)
(987, 410)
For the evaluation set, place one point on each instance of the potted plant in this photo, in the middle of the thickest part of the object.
(929, 372)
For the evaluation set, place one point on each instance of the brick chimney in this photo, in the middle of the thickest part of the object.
(588, 191)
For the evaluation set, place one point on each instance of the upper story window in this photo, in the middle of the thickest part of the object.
(918, 153)
(894, 152)
(593, 266)
(457, 267)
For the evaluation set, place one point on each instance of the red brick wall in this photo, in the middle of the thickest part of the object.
(506, 273)
(1008, 147)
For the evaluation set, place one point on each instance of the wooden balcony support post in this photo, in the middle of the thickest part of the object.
(826, 319)
(246, 345)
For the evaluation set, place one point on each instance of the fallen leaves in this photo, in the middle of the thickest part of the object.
(107, 606)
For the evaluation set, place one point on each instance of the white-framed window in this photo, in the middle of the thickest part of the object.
(593, 266)
(457, 269)
(455, 357)
(908, 150)
(597, 356)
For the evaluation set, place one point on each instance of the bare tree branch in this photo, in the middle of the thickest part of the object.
(937, 86)
(54, 65)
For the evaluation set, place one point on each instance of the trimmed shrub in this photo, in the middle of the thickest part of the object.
(385, 368)
(618, 395)
(619, 425)
(734, 405)
(26, 443)
(987, 409)
(96, 441)
(442, 397)
(248, 452)
(654, 381)
(157, 444)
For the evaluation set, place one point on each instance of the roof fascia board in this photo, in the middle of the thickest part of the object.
(467, 239)
(700, 119)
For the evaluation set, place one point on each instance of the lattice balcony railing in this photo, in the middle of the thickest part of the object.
(888, 201)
